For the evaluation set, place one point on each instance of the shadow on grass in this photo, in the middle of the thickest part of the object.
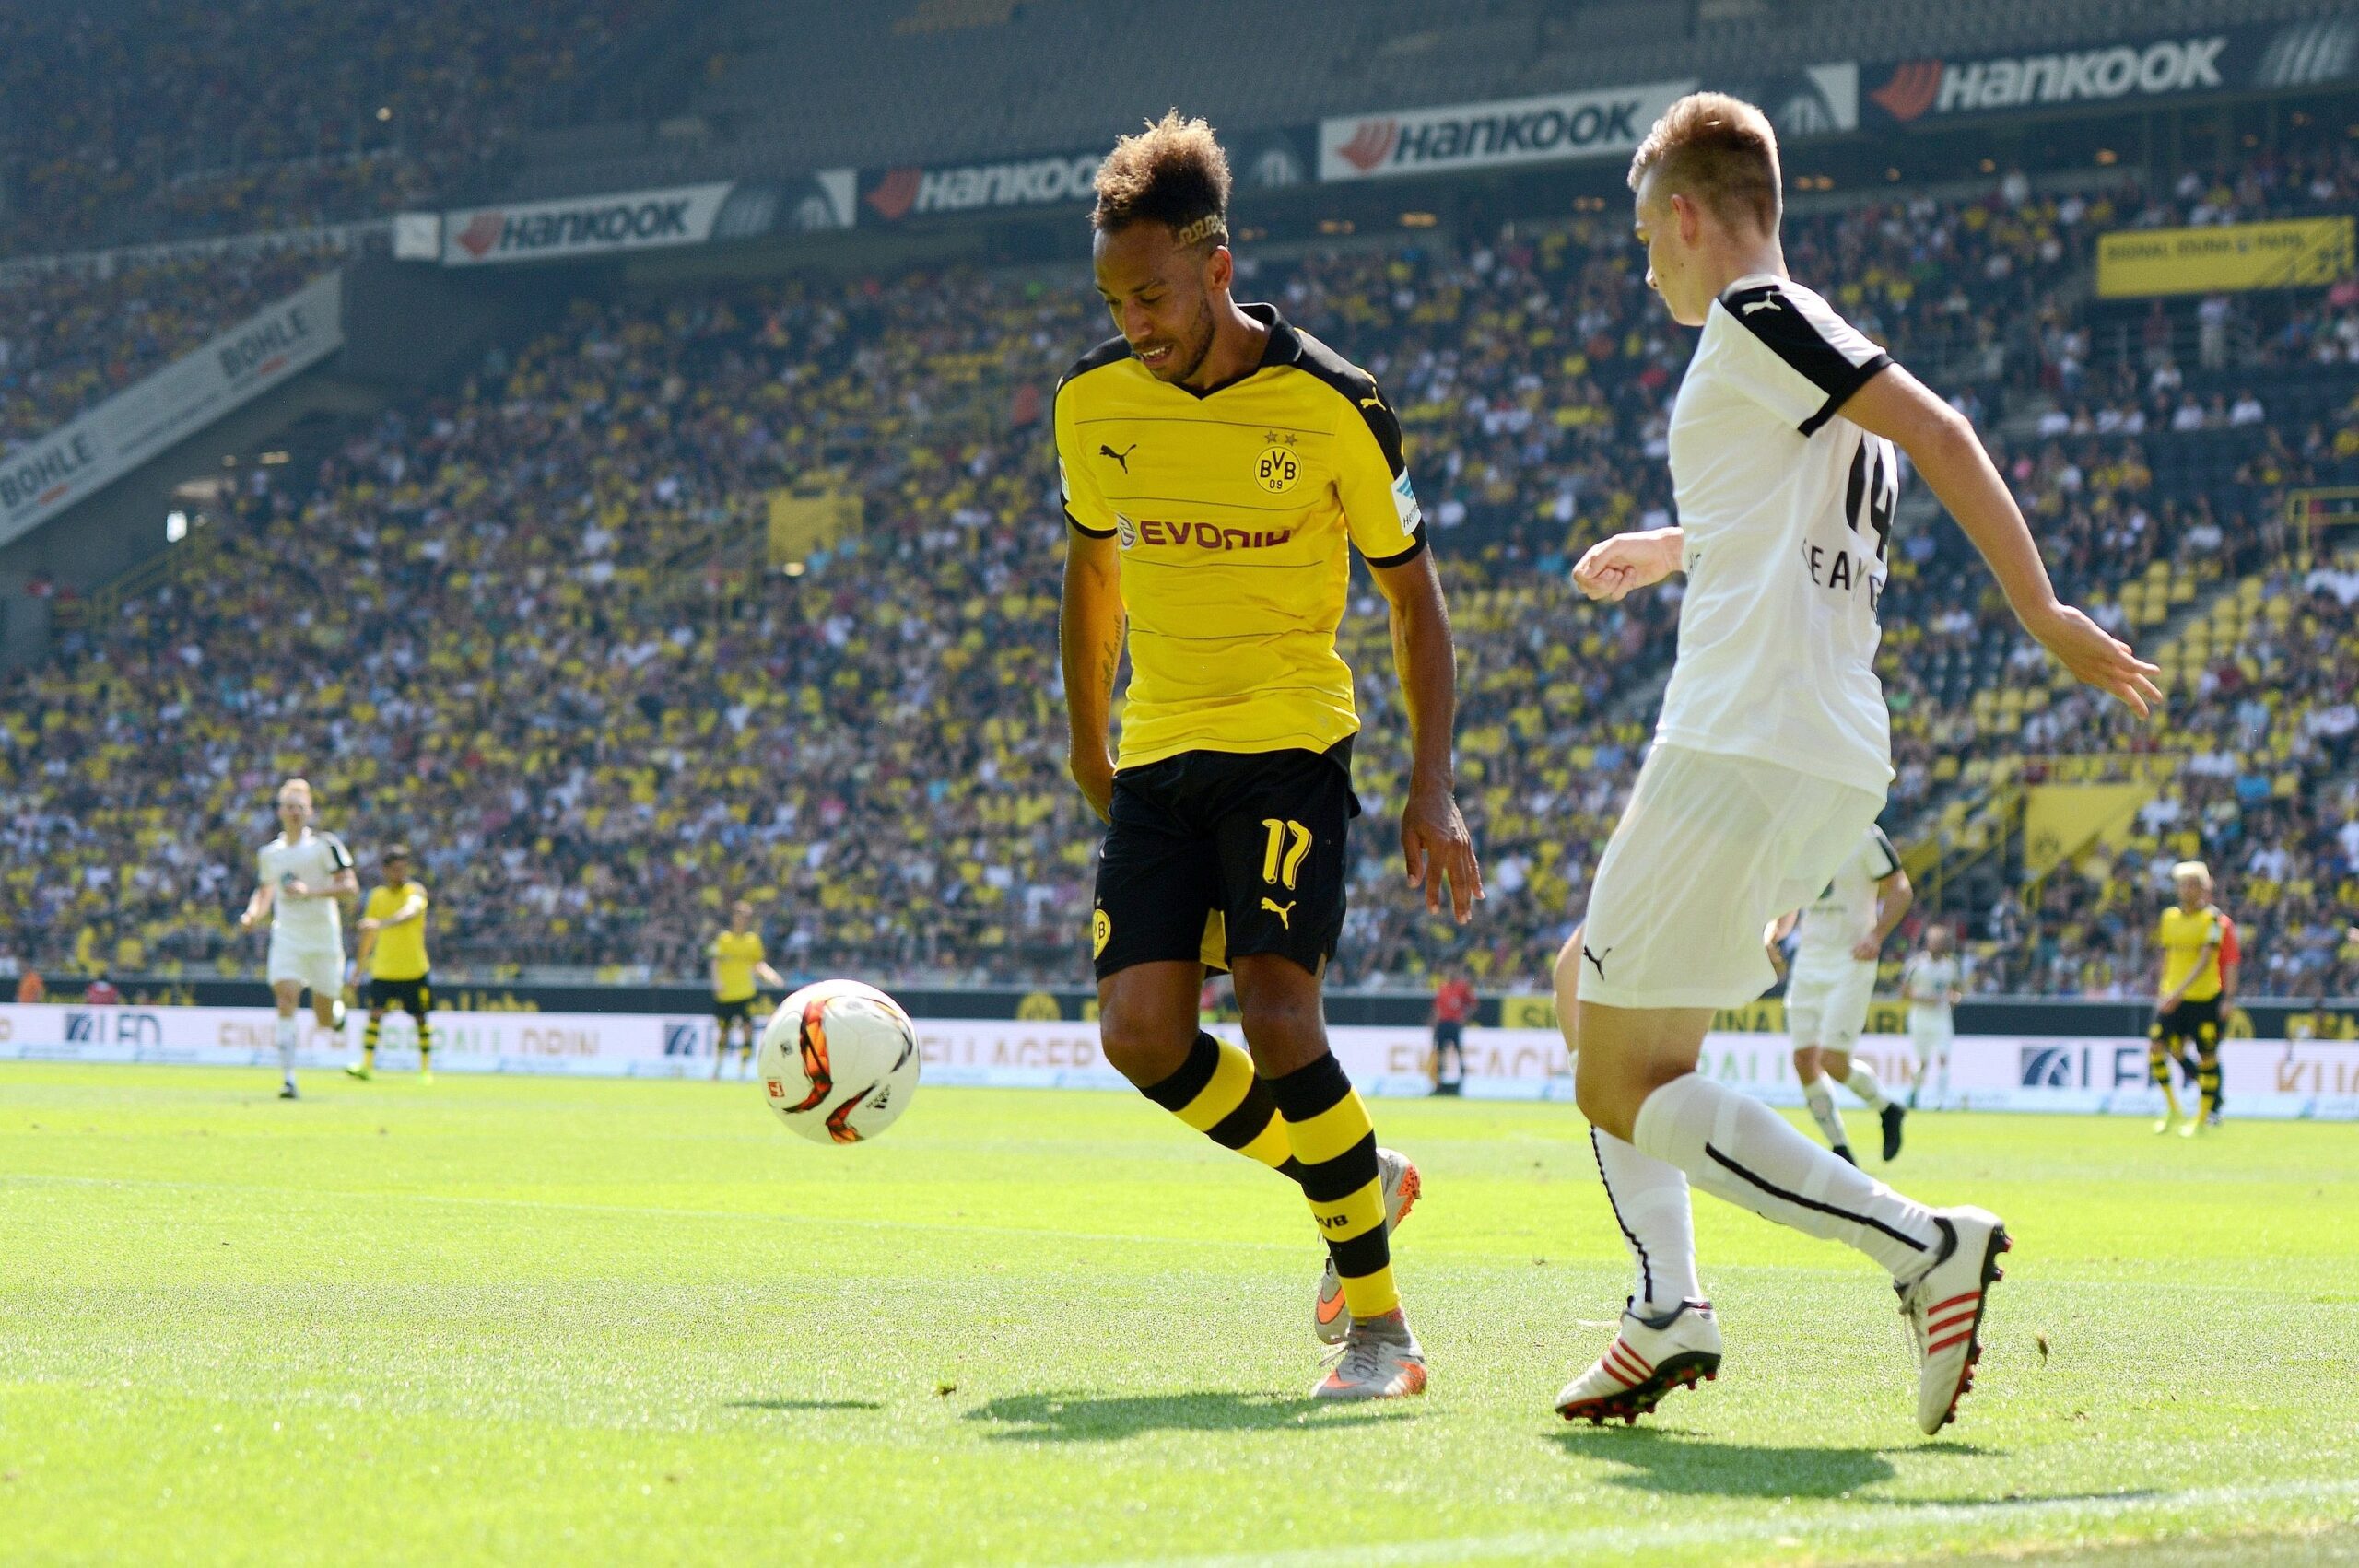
(806, 1404)
(1673, 1462)
(1063, 1417)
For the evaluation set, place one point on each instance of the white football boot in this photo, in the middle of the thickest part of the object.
(1944, 1309)
(1329, 1317)
(1644, 1361)
(1380, 1359)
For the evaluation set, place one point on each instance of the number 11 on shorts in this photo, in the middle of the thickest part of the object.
(1283, 856)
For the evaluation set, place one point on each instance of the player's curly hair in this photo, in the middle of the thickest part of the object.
(1173, 173)
(1721, 150)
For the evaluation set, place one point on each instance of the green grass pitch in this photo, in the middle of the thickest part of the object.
(514, 1321)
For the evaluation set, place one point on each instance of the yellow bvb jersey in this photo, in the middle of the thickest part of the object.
(736, 952)
(400, 952)
(1236, 512)
(2183, 937)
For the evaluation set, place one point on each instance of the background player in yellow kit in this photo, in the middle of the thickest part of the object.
(737, 959)
(393, 955)
(2186, 1013)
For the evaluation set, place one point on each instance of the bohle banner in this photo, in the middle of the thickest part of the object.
(44, 478)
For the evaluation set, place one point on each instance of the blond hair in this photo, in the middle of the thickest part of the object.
(1722, 151)
(1173, 173)
(302, 784)
(2191, 868)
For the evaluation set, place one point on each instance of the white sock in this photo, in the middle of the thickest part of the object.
(1943, 1081)
(1864, 1083)
(1736, 1147)
(1650, 1201)
(1821, 1101)
(289, 1033)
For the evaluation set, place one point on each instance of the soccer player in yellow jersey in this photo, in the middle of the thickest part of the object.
(1219, 467)
(2186, 1013)
(737, 959)
(393, 952)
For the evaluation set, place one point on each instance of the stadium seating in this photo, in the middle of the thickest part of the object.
(148, 120)
(74, 336)
(874, 749)
(986, 80)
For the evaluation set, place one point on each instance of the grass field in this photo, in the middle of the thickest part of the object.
(510, 1321)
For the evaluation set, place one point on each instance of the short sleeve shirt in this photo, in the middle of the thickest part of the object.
(1785, 508)
(1234, 512)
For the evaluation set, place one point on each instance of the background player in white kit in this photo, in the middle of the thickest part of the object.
(1843, 932)
(299, 876)
(1929, 983)
(1770, 760)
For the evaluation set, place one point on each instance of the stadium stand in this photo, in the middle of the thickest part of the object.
(873, 751)
(992, 79)
(148, 119)
(73, 334)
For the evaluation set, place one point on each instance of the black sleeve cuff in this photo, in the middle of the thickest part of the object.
(1839, 394)
(1416, 547)
(1084, 531)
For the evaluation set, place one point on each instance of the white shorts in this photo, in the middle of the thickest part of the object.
(1931, 1030)
(1710, 849)
(1826, 1003)
(317, 965)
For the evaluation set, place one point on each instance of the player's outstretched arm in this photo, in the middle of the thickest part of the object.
(1613, 569)
(257, 907)
(1434, 843)
(1942, 443)
(1089, 637)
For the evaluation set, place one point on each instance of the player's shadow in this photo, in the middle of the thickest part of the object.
(1656, 1460)
(1067, 1417)
(806, 1404)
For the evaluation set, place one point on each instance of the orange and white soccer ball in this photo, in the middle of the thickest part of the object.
(840, 1062)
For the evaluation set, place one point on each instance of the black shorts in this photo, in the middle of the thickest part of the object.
(727, 1013)
(1220, 855)
(1449, 1034)
(413, 997)
(2188, 1019)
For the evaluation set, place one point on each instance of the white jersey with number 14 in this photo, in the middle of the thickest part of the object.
(1786, 510)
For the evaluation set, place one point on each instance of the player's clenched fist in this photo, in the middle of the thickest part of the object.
(1611, 568)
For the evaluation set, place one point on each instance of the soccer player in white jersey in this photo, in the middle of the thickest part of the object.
(1770, 760)
(299, 876)
(1842, 933)
(1929, 983)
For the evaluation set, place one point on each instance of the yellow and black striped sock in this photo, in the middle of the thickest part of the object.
(1216, 1092)
(2207, 1068)
(1331, 1135)
(369, 1040)
(2158, 1069)
(424, 1044)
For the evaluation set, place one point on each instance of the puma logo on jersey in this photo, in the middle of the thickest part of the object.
(1122, 457)
(1372, 403)
(1759, 305)
(1284, 912)
(1596, 959)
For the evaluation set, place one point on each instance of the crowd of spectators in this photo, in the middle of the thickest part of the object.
(518, 626)
(2265, 790)
(72, 336)
(152, 119)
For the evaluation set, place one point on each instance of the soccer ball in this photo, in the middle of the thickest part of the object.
(840, 1062)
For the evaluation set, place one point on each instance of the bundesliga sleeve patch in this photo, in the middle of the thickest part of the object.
(1404, 503)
